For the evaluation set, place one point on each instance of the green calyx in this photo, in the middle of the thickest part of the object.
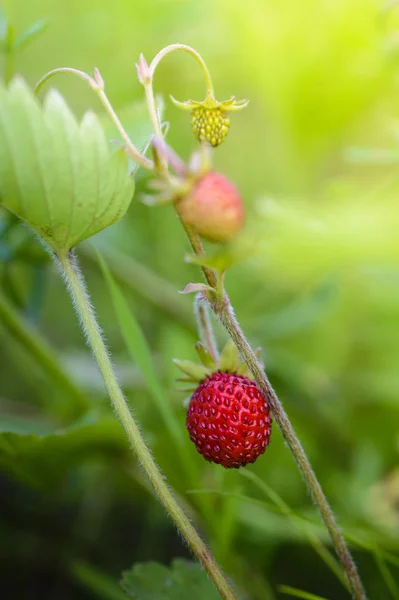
(210, 103)
(229, 362)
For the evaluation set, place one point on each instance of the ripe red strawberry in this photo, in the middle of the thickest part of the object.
(213, 207)
(228, 420)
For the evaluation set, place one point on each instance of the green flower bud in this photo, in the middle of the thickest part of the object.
(58, 175)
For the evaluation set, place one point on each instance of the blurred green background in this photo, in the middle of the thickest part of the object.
(316, 157)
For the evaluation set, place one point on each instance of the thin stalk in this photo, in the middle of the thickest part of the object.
(132, 150)
(205, 326)
(159, 157)
(224, 312)
(77, 288)
(194, 53)
(97, 85)
(198, 250)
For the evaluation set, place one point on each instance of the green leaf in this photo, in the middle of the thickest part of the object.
(290, 591)
(29, 35)
(43, 461)
(184, 579)
(57, 175)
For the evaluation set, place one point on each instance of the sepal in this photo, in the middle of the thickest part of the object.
(210, 103)
(205, 356)
(193, 370)
(229, 359)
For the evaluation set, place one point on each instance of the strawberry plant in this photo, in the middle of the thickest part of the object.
(62, 178)
(240, 435)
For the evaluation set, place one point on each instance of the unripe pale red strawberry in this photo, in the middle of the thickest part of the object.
(213, 207)
(228, 420)
(228, 416)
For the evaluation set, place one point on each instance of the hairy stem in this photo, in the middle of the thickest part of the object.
(198, 250)
(224, 311)
(205, 326)
(131, 148)
(226, 316)
(77, 288)
(146, 75)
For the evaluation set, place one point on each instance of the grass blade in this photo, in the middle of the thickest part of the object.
(141, 354)
(315, 542)
(139, 278)
(386, 574)
(101, 585)
(290, 591)
(41, 352)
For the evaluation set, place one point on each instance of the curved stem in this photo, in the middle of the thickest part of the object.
(159, 157)
(85, 76)
(80, 298)
(146, 75)
(174, 47)
(97, 86)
